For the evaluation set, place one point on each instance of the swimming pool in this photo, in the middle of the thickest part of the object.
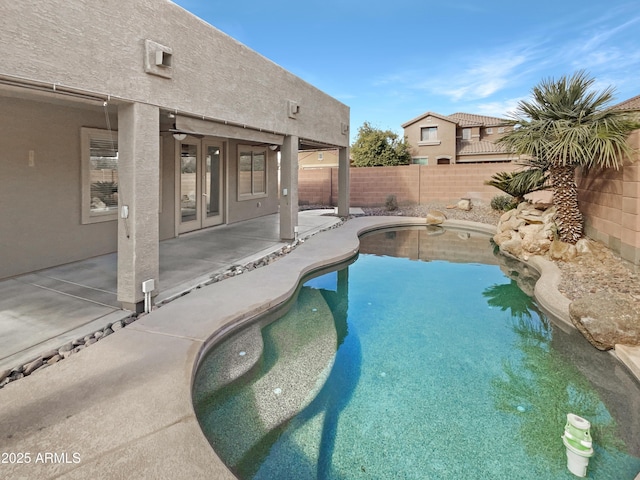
(432, 363)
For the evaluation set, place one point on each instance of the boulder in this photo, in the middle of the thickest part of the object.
(33, 366)
(435, 217)
(508, 215)
(531, 230)
(514, 223)
(536, 244)
(607, 319)
(464, 204)
(583, 246)
(532, 215)
(513, 246)
(562, 251)
(500, 238)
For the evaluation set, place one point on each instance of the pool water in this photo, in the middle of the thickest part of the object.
(424, 365)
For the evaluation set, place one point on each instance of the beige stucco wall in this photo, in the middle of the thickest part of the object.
(446, 137)
(40, 204)
(100, 47)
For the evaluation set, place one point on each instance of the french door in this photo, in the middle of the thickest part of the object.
(200, 191)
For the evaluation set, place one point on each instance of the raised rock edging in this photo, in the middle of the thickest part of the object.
(606, 319)
(50, 357)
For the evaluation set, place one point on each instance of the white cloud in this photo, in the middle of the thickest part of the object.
(503, 108)
(480, 79)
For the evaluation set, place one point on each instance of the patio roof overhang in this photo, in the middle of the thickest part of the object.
(226, 130)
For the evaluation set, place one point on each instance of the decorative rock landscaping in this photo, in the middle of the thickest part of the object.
(604, 318)
(65, 351)
(607, 319)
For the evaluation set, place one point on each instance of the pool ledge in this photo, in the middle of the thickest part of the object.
(550, 298)
(124, 405)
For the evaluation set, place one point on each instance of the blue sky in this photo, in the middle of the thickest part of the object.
(394, 60)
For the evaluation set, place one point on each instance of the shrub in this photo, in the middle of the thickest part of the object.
(391, 203)
(503, 203)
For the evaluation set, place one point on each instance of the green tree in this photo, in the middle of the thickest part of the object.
(375, 148)
(565, 125)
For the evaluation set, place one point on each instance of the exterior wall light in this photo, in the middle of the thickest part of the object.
(179, 136)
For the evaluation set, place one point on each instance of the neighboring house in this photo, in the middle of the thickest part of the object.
(318, 158)
(459, 138)
(127, 123)
(630, 105)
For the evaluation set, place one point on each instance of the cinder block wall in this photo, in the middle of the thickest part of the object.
(452, 182)
(314, 185)
(411, 184)
(610, 202)
(372, 185)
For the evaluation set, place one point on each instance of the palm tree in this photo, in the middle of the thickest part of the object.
(518, 184)
(566, 125)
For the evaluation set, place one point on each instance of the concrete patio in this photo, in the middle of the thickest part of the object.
(45, 309)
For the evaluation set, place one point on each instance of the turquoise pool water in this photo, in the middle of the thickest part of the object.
(415, 368)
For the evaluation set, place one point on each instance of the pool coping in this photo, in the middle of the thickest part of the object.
(109, 403)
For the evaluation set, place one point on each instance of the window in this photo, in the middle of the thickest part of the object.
(500, 129)
(428, 134)
(466, 134)
(99, 175)
(320, 156)
(252, 172)
(489, 131)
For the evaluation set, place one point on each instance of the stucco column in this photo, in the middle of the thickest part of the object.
(289, 187)
(138, 200)
(343, 182)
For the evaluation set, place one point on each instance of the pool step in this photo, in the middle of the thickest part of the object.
(299, 351)
(230, 361)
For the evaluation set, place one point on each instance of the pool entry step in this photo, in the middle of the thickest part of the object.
(296, 356)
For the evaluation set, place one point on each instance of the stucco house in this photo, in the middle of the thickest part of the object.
(319, 158)
(459, 138)
(127, 123)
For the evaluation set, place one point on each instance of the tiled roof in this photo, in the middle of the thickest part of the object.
(482, 146)
(428, 114)
(631, 104)
(461, 119)
(472, 120)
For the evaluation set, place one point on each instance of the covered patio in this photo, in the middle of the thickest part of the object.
(43, 310)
